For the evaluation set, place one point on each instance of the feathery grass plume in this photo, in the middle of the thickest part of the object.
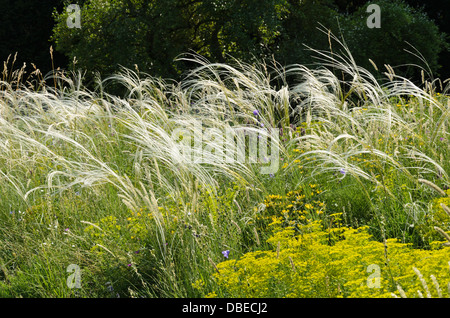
(213, 264)
(422, 280)
(445, 208)
(237, 226)
(424, 159)
(401, 291)
(99, 245)
(238, 206)
(436, 285)
(432, 186)
(390, 72)
(256, 236)
(92, 224)
(373, 64)
(65, 137)
(292, 264)
(353, 127)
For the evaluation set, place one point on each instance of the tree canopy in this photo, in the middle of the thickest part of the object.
(152, 34)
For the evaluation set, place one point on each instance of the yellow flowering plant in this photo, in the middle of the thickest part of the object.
(334, 262)
(437, 216)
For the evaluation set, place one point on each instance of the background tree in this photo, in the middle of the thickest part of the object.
(152, 34)
(301, 27)
(440, 14)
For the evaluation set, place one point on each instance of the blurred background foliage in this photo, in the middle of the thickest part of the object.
(152, 34)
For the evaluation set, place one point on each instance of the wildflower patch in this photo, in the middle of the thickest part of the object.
(322, 262)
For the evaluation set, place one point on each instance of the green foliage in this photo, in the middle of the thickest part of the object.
(403, 29)
(152, 34)
(300, 28)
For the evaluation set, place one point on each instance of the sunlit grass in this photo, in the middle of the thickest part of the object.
(95, 175)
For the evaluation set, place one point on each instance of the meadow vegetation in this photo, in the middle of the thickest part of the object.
(89, 178)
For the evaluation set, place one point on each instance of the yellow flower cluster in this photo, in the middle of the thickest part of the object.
(117, 235)
(296, 207)
(338, 262)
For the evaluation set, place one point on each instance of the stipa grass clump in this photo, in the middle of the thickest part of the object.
(395, 124)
